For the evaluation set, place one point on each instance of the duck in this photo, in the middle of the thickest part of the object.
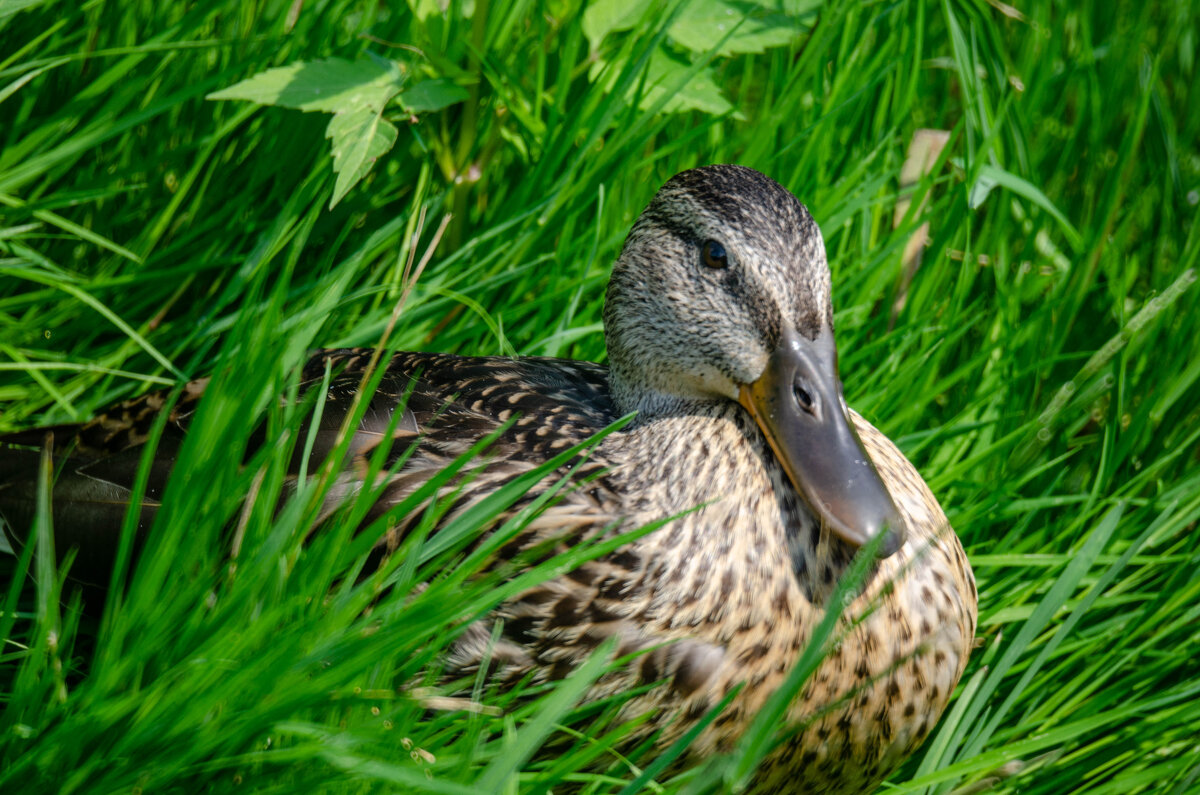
(719, 328)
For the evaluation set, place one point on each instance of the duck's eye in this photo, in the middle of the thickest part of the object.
(713, 254)
(805, 397)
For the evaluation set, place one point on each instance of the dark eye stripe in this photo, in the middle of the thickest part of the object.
(757, 303)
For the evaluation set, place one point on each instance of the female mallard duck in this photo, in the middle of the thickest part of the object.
(720, 336)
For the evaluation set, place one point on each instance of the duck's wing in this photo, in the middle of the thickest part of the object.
(95, 467)
(450, 402)
(535, 407)
(538, 406)
(532, 408)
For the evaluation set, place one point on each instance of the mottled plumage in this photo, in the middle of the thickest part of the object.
(727, 594)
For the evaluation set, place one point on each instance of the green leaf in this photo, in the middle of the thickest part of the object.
(701, 92)
(722, 27)
(663, 74)
(432, 95)
(704, 23)
(333, 85)
(359, 137)
(356, 92)
(606, 16)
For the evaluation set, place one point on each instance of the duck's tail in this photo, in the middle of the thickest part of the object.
(90, 497)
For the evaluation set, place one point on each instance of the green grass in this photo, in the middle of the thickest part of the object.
(1041, 370)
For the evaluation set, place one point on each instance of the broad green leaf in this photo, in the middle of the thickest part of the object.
(663, 74)
(359, 137)
(704, 23)
(432, 95)
(606, 16)
(701, 92)
(332, 85)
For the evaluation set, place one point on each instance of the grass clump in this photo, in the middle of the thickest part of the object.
(1039, 363)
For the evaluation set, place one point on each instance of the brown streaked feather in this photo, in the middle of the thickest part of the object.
(452, 402)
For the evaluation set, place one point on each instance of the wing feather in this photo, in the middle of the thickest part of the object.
(449, 403)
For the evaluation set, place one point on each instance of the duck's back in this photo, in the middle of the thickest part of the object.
(535, 407)
(451, 402)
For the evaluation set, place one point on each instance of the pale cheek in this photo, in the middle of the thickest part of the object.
(704, 380)
(735, 345)
(707, 381)
(755, 364)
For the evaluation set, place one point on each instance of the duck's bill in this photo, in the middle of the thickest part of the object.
(797, 402)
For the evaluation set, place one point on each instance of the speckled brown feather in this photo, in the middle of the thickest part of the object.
(725, 595)
(451, 402)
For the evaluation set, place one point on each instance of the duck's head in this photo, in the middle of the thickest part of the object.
(722, 292)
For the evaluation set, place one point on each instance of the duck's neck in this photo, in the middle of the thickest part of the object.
(649, 401)
(711, 453)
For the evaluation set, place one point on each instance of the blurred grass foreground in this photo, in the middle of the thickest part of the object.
(215, 188)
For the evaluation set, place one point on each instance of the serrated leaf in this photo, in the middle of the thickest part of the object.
(432, 95)
(333, 85)
(704, 23)
(359, 137)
